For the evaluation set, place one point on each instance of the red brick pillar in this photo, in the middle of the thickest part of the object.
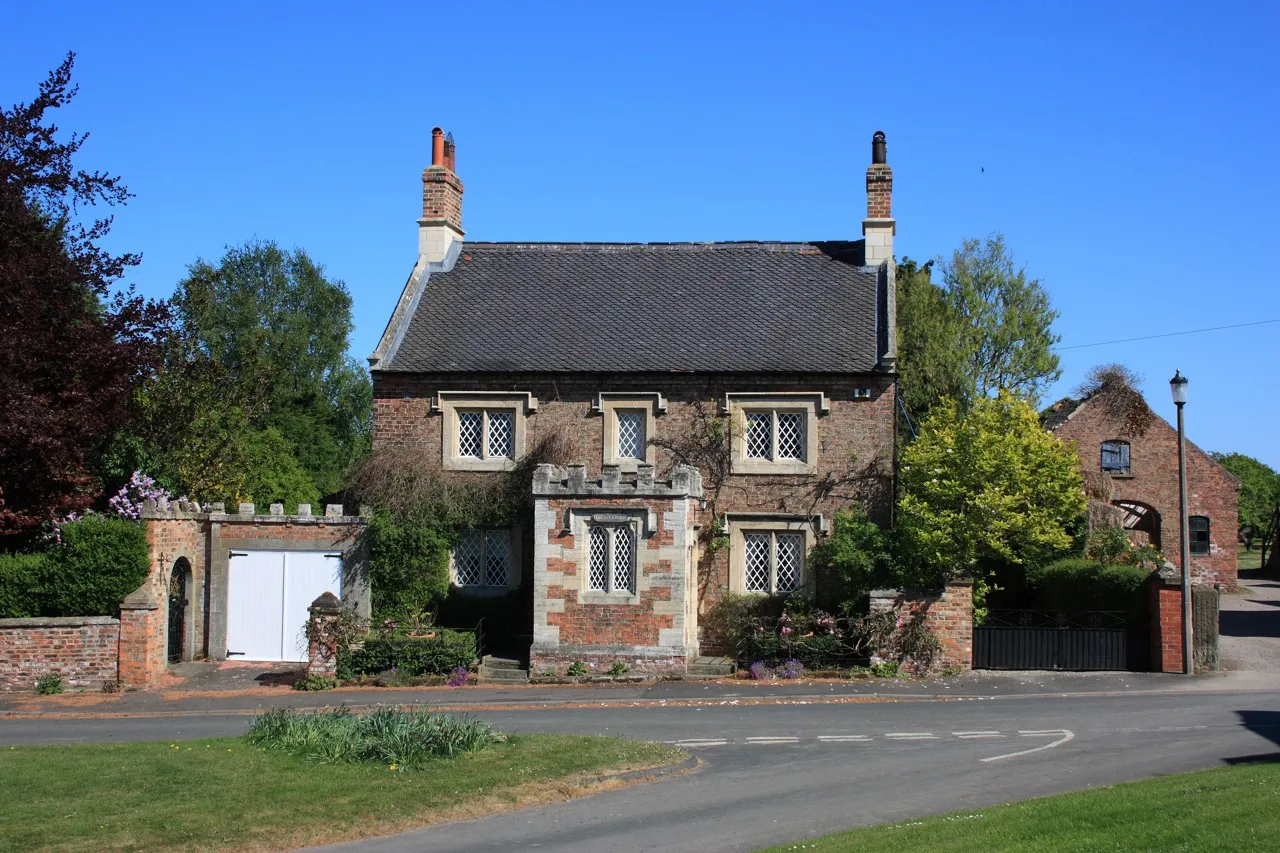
(1165, 590)
(143, 651)
(322, 635)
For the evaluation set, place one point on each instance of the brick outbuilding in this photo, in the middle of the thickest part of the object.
(1134, 452)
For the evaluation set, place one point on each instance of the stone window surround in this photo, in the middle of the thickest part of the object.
(738, 523)
(449, 403)
(514, 569)
(607, 404)
(580, 521)
(809, 403)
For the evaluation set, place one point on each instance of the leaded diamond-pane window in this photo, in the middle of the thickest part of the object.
(470, 433)
(790, 435)
(598, 559)
(788, 558)
(611, 558)
(624, 549)
(772, 562)
(756, 562)
(497, 557)
(759, 435)
(776, 435)
(501, 434)
(468, 558)
(482, 558)
(631, 438)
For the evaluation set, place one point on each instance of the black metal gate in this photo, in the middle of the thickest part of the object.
(177, 613)
(1054, 639)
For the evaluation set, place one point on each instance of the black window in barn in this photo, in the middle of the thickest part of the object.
(1199, 528)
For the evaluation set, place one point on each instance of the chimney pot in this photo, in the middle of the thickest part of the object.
(450, 154)
(878, 148)
(437, 146)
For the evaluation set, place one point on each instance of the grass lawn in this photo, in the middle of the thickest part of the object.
(1249, 559)
(222, 794)
(1228, 809)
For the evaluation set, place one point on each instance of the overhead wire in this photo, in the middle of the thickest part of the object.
(1170, 334)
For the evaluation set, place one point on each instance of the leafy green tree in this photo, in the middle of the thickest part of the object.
(985, 489)
(851, 562)
(987, 327)
(1259, 498)
(257, 400)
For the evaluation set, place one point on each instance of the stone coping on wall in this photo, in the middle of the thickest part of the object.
(57, 621)
(571, 481)
(247, 513)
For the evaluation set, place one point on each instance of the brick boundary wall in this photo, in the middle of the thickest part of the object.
(1165, 591)
(82, 649)
(948, 614)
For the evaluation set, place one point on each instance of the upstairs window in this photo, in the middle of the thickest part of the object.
(773, 562)
(1198, 527)
(774, 433)
(1115, 457)
(631, 434)
(611, 558)
(486, 434)
(483, 430)
(482, 558)
(776, 436)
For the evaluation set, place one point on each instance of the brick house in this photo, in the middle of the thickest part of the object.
(629, 356)
(1134, 454)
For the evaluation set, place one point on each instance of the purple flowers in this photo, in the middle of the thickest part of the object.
(127, 503)
(759, 672)
(459, 676)
(791, 669)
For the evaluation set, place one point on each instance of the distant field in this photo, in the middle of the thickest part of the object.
(1250, 559)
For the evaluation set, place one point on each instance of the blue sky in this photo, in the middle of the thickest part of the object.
(1126, 150)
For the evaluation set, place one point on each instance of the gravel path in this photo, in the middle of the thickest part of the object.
(1249, 625)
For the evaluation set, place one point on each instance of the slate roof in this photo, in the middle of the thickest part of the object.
(1059, 413)
(715, 307)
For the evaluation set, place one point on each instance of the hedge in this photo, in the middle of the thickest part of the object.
(817, 652)
(1076, 584)
(438, 655)
(21, 580)
(100, 561)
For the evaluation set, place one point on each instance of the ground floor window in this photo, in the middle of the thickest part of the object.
(611, 558)
(482, 558)
(773, 561)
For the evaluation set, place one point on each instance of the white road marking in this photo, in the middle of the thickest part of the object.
(698, 743)
(967, 735)
(1065, 735)
(844, 738)
(773, 740)
(912, 735)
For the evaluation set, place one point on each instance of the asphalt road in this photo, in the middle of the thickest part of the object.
(777, 773)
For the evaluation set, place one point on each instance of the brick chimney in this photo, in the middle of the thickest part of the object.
(878, 228)
(441, 224)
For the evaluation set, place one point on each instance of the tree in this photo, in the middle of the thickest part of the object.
(73, 345)
(987, 328)
(985, 489)
(1259, 498)
(276, 328)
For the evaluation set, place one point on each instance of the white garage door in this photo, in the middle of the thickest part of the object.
(268, 593)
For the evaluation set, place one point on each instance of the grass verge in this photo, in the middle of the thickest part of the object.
(1226, 809)
(222, 794)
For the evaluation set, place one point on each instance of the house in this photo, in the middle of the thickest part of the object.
(1133, 454)
(714, 404)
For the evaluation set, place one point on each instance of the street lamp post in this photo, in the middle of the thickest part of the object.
(1178, 385)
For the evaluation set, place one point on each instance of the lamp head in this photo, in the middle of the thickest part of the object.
(1178, 386)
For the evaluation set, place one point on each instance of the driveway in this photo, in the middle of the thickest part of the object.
(1249, 625)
